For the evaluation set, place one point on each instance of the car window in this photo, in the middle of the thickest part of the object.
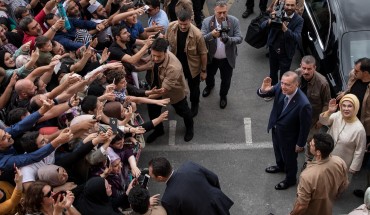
(355, 45)
(321, 17)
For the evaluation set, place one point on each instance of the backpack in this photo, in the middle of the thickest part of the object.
(257, 37)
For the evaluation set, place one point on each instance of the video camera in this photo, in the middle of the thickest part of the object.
(278, 17)
(224, 30)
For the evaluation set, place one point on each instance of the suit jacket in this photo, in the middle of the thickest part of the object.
(235, 38)
(195, 190)
(294, 122)
(292, 37)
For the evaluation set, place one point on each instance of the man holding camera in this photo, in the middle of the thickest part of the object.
(285, 33)
(221, 33)
(187, 43)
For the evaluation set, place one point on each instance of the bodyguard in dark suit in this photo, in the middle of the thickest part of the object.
(283, 42)
(191, 189)
(222, 51)
(290, 121)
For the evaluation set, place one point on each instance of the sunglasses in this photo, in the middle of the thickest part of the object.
(48, 195)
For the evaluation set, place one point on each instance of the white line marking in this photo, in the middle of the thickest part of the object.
(207, 147)
(172, 133)
(248, 130)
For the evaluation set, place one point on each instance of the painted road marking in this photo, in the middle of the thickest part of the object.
(172, 132)
(248, 130)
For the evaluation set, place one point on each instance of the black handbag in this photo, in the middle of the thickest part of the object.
(257, 37)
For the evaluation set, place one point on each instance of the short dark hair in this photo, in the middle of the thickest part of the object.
(116, 30)
(184, 14)
(89, 103)
(28, 141)
(19, 11)
(323, 143)
(153, 3)
(48, 17)
(25, 21)
(116, 75)
(16, 115)
(126, 7)
(160, 45)
(309, 59)
(365, 64)
(41, 41)
(139, 199)
(160, 166)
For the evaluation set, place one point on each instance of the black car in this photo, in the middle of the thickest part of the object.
(336, 33)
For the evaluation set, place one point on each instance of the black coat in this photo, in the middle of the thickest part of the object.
(195, 190)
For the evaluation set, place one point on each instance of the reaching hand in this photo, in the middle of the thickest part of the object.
(47, 104)
(266, 85)
(104, 56)
(332, 106)
(154, 200)
(163, 102)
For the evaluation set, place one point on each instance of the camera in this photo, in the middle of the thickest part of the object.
(278, 18)
(224, 30)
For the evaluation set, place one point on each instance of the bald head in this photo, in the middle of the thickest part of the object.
(25, 88)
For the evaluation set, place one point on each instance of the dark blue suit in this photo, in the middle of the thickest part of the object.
(288, 40)
(195, 190)
(289, 128)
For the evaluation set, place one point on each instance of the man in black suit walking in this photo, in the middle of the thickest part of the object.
(290, 122)
(191, 189)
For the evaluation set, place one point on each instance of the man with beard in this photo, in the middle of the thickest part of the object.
(99, 15)
(187, 43)
(282, 42)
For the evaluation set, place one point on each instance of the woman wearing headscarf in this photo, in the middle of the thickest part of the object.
(347, 131)
(96, 198)
(363, 209)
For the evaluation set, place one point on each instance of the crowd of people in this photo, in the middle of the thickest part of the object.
(71, 135)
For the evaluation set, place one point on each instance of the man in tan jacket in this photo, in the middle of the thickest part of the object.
(167, 75)
(187, 43)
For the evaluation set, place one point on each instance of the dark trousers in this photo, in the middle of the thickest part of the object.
(193, 84)
(226, 72)
(278, 62)
(285, 155)
(198, 7)
(250, 5)
(181, 109)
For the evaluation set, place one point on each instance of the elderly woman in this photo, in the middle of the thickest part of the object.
(39, 199)
(347, 131)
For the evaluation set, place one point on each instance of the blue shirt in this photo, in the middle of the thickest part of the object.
(135, 30)
(160, 19)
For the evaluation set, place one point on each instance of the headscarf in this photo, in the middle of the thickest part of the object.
(113, 109)
(50, 174)
(112, 155)
(356, 105)
(94, 199)
(2, 59)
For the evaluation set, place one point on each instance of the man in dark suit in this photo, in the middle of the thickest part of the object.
(222, 50)
(282, 42)
(191, 189)
(290, 122)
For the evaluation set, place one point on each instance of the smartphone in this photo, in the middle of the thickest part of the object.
(113, 124)
(145, 181)
(146, 7)
(87, 44)
(55, 196)
(139, 119)
(108, 162)
(157, 35)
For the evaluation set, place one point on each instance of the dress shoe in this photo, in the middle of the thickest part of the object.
(207, 90)
(153, 136)
(223, 102)
(359, 193)
(247, 13)
(273, 169)
(283, 185)
(188, 135)
(194, 109)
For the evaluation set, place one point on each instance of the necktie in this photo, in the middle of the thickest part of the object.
(286, 99)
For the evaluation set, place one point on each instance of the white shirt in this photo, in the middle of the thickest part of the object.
(29, 172)
(220, 51)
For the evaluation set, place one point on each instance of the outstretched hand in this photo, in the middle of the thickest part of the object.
(332, 106)
(266, 85)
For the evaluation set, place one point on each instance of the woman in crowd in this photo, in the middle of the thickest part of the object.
(347, 131)
(10, 196)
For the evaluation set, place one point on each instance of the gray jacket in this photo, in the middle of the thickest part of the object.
(234, 38)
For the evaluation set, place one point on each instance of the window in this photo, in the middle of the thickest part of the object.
(321, 18)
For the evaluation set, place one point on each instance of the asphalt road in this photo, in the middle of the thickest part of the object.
(234, 142)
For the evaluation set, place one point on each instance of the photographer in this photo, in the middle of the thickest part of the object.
(221, 33)
(284, 36)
